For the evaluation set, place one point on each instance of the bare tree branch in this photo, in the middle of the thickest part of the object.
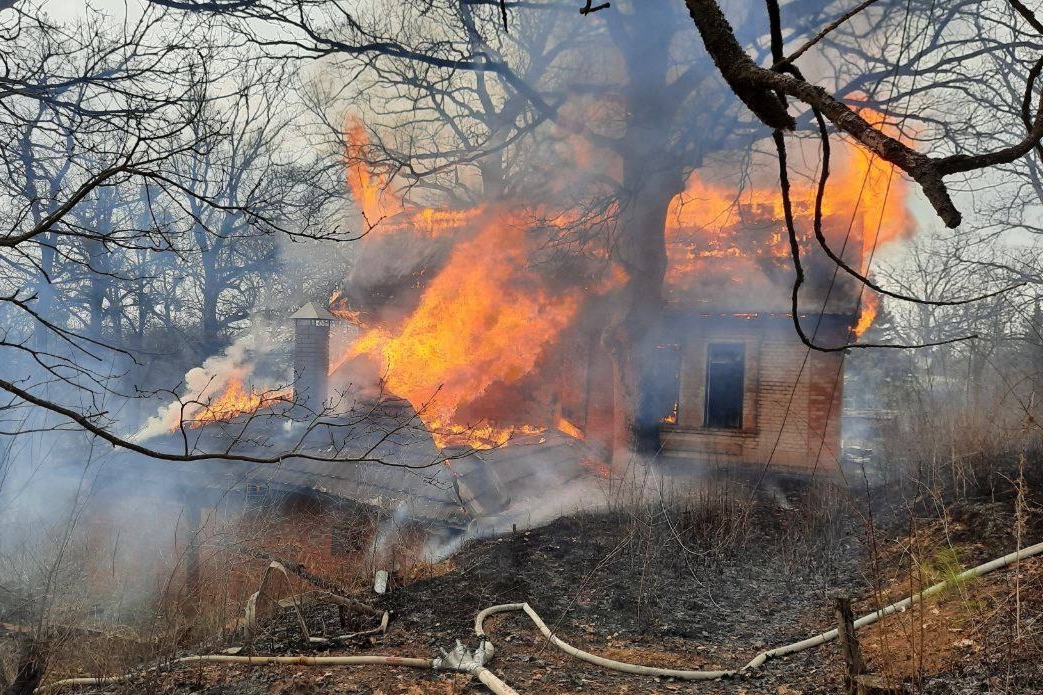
(758, 86)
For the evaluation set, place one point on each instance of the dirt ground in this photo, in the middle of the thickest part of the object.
(708, 587)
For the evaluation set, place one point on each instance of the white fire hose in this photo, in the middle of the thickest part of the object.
(465, 661)
(869, 619)
(758, 660)
(586, 656)
(458, 660)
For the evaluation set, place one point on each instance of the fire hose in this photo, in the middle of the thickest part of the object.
(465, 661)
(460, 660)
(758, 660)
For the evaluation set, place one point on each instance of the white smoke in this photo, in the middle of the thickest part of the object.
(201, 384)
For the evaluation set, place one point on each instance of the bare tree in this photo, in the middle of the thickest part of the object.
(124, 141)
(107, 83)
(623, 85)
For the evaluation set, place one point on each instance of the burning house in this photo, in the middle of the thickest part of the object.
(465, 314)
(477, 365)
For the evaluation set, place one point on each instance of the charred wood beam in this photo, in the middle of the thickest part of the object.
(854, 663)
(336, 593)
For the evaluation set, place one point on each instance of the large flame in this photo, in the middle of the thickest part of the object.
(383, 208)
(862, 186)
(863, 209)
(485, 318)
(368, 186)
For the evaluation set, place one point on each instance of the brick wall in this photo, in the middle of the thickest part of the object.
(791, 402)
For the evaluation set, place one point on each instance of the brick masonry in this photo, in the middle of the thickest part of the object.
(791, 402)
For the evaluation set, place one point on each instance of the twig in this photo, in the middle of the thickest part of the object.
(587, 9)
(822, 34)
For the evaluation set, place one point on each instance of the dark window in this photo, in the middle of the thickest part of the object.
(725, 365)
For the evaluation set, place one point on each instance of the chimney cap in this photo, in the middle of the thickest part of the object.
(310, 311)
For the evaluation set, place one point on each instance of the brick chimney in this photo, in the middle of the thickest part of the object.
(311, 354)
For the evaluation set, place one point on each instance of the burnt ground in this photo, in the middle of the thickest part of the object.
(707, 587)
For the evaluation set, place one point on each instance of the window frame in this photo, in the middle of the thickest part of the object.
(740, 349)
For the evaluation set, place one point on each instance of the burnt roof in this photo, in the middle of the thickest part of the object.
(410, 478)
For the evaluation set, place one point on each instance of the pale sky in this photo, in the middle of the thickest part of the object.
(922, 212)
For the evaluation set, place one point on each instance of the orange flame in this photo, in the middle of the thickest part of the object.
(485, 318)
(236, 400)
(384, 208)
(340, 308)
(598, 468)
(368, 187)
(867, 314)
(483, 436)
(568, 428)
(863, 207)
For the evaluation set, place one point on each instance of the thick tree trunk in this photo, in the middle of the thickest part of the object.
(211, 291)
(100, 284)
(100, 259)
(45, 292)
(209, 252)
(632, 332)
(652, 174)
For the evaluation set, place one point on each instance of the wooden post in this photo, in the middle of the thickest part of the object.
(849, 647)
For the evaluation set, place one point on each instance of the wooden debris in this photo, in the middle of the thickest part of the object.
(854, 662)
